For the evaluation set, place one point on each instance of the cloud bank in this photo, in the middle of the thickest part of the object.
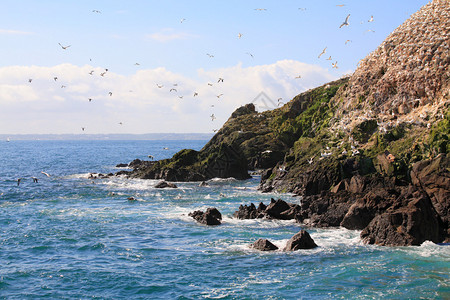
(66, 97)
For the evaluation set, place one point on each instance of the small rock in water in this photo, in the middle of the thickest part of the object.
(212, 216)
(164, 184)
(301, 240)
(263, 245)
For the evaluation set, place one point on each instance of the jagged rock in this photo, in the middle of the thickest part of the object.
(121, 165)
(301, 240)
(249, 212)
(212, 216)
(264, 245)
(164, 184)
(244, 110)
(412, 224)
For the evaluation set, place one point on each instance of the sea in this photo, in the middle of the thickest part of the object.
(68, 236)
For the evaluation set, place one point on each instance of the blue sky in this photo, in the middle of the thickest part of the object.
(148, 43)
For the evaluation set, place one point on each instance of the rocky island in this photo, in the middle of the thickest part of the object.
(367, 152)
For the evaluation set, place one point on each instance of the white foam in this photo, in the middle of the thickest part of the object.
(430, 249)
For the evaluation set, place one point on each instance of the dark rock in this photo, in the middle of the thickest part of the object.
(211, 217)
(123, 172)
(301, 240)
(135, 163)
(277, 209)
(247, 212)
(407, 225)
(264, 245)
(122, 166)
(433, 177)
(164, 184)
(280, 209)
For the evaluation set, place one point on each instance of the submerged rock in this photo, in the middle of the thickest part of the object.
(301, 240)
(264, 245)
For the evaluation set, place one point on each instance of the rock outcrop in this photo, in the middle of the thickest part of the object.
(212, 216)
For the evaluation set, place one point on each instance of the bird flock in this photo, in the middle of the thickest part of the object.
(174, 88)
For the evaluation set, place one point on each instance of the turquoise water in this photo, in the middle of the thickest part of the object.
(70, 237)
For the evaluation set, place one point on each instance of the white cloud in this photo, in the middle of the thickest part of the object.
(137, 101)
(169, 34)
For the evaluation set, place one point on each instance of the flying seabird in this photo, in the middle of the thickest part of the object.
(82, 128)
(46, 174)
(218, 96)
(35, 180)
(30, 80)
(159, 86)
(181, 97)
(345, 23)
(120, 123)
(323, 51)
(298, 77)
(173, 90)
(63, 86)
(329, 58)
(18, 181)
(213, 117)
(102, 74)
(340, 5)
(182, 20)
(260, 9)
(64, 47)
(210, 55)
(137, 64)
(96, 11)
(239, 35)
(335, 65)
(220, 80)
(210, 84)
(90, 99)
(55, 78)
(347, 41)
(110, 93)
(249, 54)
(91, 72)
(371, 19)
(195, 94)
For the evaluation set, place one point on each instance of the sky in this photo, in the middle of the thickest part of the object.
(144, 66)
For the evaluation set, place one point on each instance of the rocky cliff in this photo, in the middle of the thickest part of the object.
(366, 152)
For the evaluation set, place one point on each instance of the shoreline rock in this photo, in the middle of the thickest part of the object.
(211, 217)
